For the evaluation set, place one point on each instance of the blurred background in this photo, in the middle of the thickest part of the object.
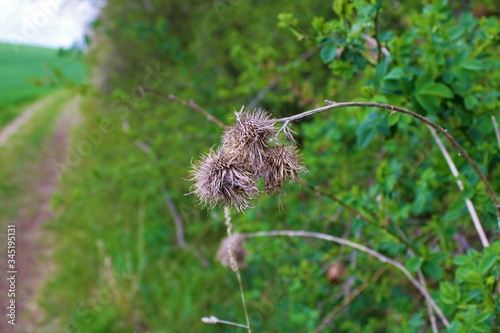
(99, 128)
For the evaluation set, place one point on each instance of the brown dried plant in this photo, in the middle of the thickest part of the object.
(283, 163)
(251, 150)
(249, 137)
(235, 244)
(221, 178)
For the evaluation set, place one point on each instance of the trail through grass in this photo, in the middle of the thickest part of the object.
(27, 181)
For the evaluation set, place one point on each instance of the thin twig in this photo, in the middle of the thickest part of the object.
(495, 126)
(468, 202)
(274, 82)
(234, 265)
(379, 256)
(421, 279)
(372, 220)
(189, 103)
(333, 105)
(332, 197)
(432, 318)
(379, 49)
(262, 93)
(330, 316)
(179, 223)
(215, 320)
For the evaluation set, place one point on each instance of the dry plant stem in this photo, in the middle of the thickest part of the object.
(215, 320)
(189, 103)
(495, 126)
(234, 265)
(379, 49)
(468, 202)
(362, 248)
(179, 223)
(421, 279)
(330, 316)
(432, 318)
(274, 82)
(372, 220)
(333, 105)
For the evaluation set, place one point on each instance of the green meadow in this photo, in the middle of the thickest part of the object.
(29, 72)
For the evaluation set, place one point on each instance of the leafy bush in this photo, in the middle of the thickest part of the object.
(375, 178)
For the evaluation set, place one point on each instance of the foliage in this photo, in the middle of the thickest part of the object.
(435, 59)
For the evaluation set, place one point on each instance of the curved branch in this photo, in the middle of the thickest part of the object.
(373, 253)
(462, 152)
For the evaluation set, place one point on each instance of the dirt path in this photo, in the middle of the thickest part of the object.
(12, 128)
(32, 264)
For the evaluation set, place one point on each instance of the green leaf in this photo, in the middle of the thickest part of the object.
(461, 260)
(486, 263)
(393, 119)
(395, 74)
(328, 52)
(436, 89)
(413, 264)
(482, 327)
(432, 269)
(367, 130)
(473, 65)
(483, 317)
(473, 277)
(338, 7)
(471, 102)
(428, 103)
(450, 294)
(454, 326)
(365, 137)
(381, 69)
(357, 224)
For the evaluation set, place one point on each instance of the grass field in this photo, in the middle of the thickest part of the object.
(27, 72)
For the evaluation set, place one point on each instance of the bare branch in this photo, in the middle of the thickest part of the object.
(495, 126)
(329, 317)
(468, 202)
(189, 103)
(274, 82)
(262, 93)
(432, 318)
(373, 253)
(333, 105)
(179, 224)
(234, 265)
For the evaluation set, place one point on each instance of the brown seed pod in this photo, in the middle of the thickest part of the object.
(235, 242)
(224, 180)
(335, 272)
(282, 164)
(248, 138)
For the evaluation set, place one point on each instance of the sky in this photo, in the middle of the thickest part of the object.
(50, 23)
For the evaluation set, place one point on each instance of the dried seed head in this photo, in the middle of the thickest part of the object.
(335, 272)
(251, 150)
(235, 244)
(224, 180)
(248, 138)
(282, 164)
